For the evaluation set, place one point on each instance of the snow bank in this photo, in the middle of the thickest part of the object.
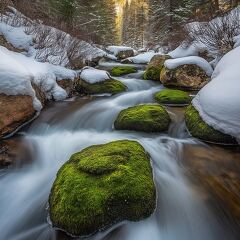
(30, 35)
(219, 101)
(184, 50)
(117, 49)
(143, 58)
(201, 62)
(92, 75)
(17, 72)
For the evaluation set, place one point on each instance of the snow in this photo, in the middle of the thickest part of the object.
(201, 62)
(219, 101)
(143, 58)
(16, 36)
(117, 49)
(17, 72)
(92, 75)
(187, 50)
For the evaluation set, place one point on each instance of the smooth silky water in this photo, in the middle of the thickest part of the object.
(68, 127)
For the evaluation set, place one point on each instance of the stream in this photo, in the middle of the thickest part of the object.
(67, 127)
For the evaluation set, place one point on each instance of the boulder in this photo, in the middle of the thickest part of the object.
(154, 67)
(123, 70)
(110, 86)
(201, 130)
(189, 77)
(125, 54)
(144, 118)
(103, 185)
(14, 112)
(172, 97)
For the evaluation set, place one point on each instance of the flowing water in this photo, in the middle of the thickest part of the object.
(68, 127)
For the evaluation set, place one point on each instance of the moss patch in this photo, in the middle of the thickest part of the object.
(199, 129)
(119, 71)
(152, 73)
(144, 118)
(103, 185)
(169, 96)
(108, 86)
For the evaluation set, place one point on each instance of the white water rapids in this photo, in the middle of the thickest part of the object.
(180, 213)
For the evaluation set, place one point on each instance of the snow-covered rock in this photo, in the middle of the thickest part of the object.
(219, 101)
(18, 72)
(194, 60)
(142, 58)
(92, 75)
(121, 52)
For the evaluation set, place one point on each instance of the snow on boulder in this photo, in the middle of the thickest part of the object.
(218, 103)
(121, 52)
(194, 60)
(18, 73)
(143, 58)
(92, 75)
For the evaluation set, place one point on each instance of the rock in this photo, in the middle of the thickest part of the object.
(127, 61)
(14, 112)
(199, 129)
(172, 97)
(68, 85)
(154, 67)
(8, 152)
(109, 86)
(144, 118)
(216, 170)
(101, 186)
(119, 71)
(125, 54)
(40, 94)
(189, 77)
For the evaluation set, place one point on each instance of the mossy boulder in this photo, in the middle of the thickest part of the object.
(110, 86)
(144, 118)
(154, 67)
(187, 76)
(123, 70)
(172, 97)
(101, 186)
(201, 130)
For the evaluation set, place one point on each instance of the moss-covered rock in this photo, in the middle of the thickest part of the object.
(154, 67)
(109, 86)
(186, 76)
(144, 118)
(199, 129)
(172, 97)
(123, 70)
(103, 185)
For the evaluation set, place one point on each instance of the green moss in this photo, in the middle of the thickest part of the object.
(109, 86)
(119, 71)
(103, 185)
(152, 73)
(145, 118)
(169, 96)
(199, 129)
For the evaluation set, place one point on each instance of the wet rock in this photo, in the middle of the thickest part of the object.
(110, 86)
(14, 111)
(144, 118)
(199, 129)
(217, 171)
(172, 97)
(154, 67)
(101, 186)
(189, 77)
